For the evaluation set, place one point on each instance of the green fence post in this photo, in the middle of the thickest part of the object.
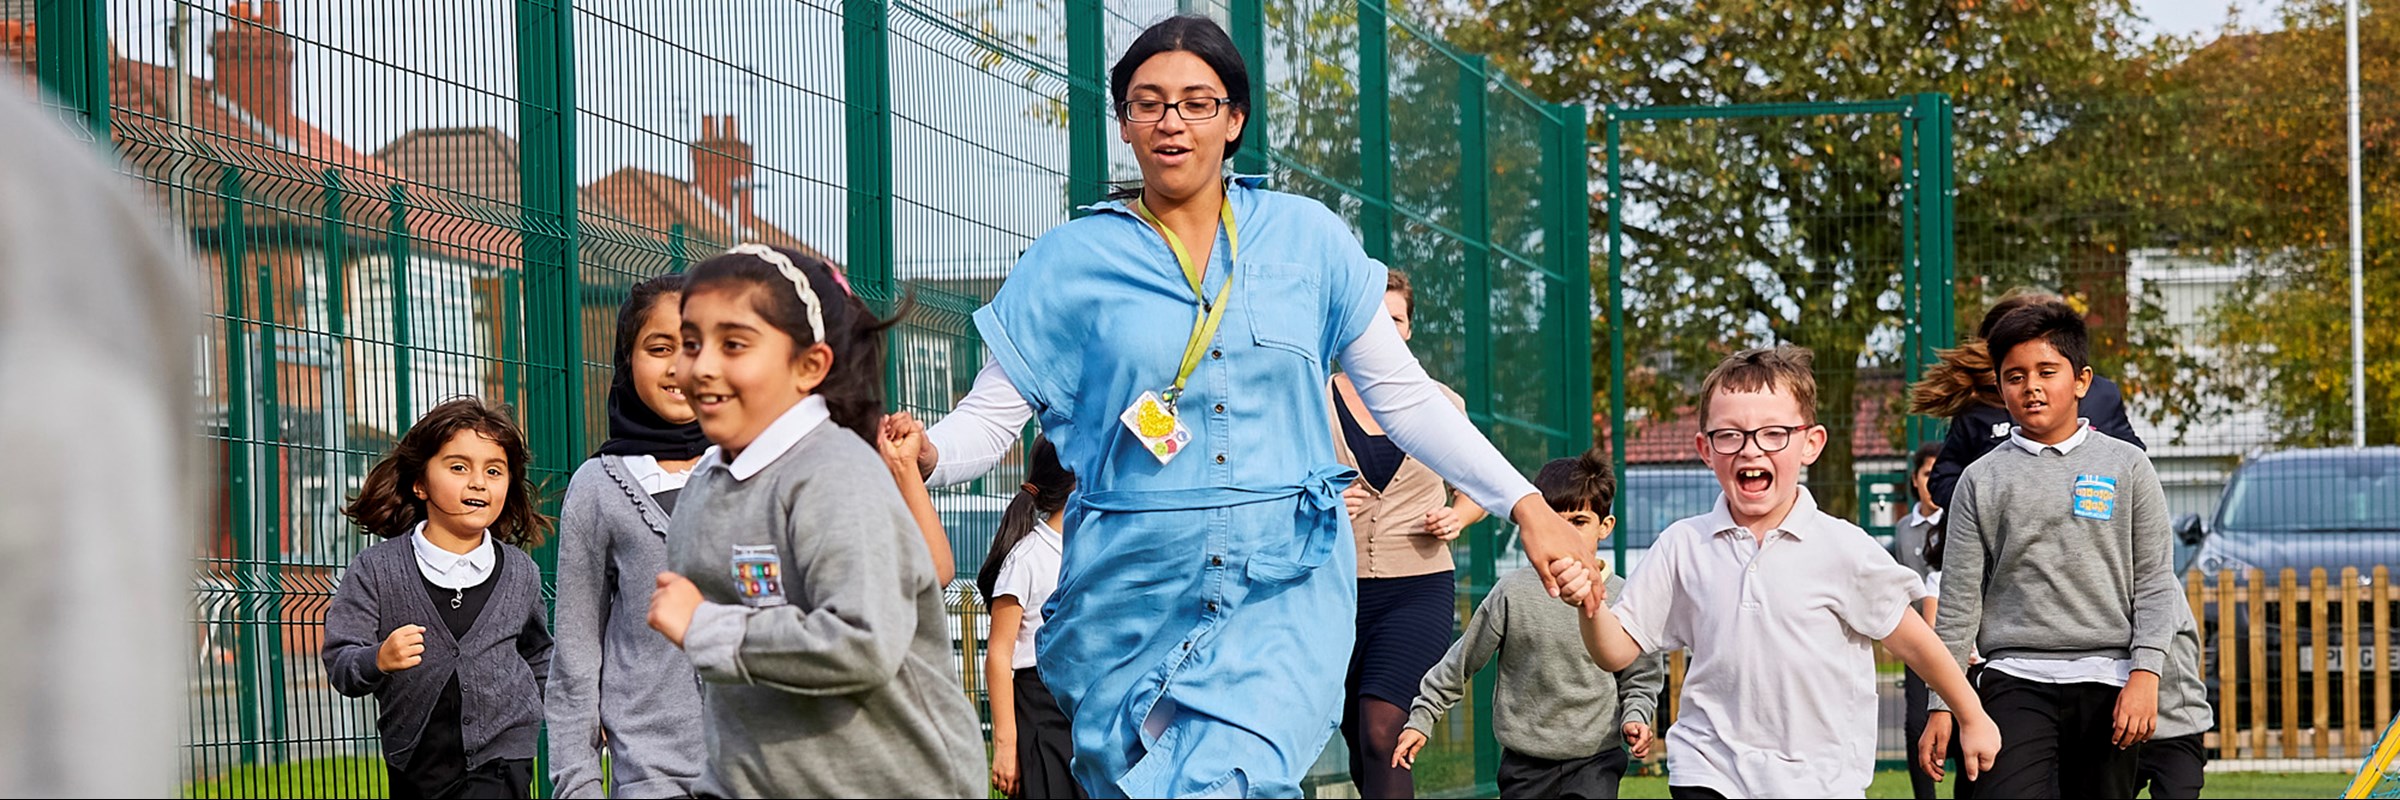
(1087, 105)
(1617, 432)
(512, 339)
(553, 313)
(267, 555)
(867, 80)
(1932, 240)
(867, 107)
(1558, 365)
(1474, 204)
(335, 243)
(1574, 197)
(71, 56)
(1250, 37)
(1912, 288)
(1375, 129)
(679, 256)
(1474, 201)
(548, 236)
(1944, 274)
(238, 442)
(403, 335)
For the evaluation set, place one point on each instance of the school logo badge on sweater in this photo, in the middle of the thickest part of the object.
(2095, 497)
(758, 575)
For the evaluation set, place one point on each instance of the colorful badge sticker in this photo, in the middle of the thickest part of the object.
(758, 575)
(1156, 426)
(2095, 497)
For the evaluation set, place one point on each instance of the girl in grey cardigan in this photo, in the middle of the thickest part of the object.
(614, 682)
(442, 623)
(800, 588)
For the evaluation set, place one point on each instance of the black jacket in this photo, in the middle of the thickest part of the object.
(1978, 429)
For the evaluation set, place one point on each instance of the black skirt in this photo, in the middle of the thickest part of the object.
(1043, 742)
(1404, 627)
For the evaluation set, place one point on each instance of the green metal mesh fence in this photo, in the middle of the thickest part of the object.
(398, 204)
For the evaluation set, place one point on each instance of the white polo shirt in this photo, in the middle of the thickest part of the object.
(1779, 699)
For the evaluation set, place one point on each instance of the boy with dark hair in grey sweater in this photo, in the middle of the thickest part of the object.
(2060, 574)
(1563, 722)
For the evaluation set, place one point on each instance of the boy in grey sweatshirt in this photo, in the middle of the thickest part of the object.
(1563, 722)
(2060, 574)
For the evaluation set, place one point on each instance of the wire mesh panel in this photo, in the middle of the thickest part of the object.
(395, 206)
(1749, 231)
(347, 295)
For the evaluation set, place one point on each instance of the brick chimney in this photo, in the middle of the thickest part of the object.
(16, 44)
(721, 165)
(254, 60)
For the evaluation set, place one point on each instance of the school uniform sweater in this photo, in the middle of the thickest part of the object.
(1551, 701)
(501, 665)
(827, 675)
(613, 677)
(2069, 552)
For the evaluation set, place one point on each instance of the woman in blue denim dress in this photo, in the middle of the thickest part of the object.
(1175, 345)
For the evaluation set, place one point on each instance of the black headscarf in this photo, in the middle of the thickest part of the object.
(633, 428)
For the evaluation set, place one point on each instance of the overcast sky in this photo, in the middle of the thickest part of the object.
(2204, 16)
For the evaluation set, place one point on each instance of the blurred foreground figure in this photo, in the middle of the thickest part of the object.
(97, 515)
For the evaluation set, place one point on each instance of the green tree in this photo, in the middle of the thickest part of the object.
(1752, 232)
(2267, 136)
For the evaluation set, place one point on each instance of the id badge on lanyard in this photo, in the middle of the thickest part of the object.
(1153, 418)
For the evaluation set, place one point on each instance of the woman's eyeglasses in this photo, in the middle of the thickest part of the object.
(1190, 109)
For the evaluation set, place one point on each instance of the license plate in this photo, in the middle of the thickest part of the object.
(2333, 658)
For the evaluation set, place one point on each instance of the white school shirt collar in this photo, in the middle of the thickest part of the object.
(654, 478)
(787, 430)
(1916, 517)
(1719, 520)
(2083, 430)
(454, 570)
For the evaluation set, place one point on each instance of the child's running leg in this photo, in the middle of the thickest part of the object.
(2173, 769)
(1595, 778)
(1693, 793)
(2030, 715)
(2088, 760)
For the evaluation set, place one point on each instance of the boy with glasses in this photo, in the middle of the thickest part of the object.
(1780, 605)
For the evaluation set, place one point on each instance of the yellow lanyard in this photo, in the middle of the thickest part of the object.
(1209, 314)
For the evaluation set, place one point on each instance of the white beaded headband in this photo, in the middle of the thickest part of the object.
(808, 293)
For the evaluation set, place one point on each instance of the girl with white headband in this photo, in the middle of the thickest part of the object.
(801, 589)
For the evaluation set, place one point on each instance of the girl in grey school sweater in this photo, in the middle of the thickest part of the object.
(614, 682)
(442, 622)
(800, 588)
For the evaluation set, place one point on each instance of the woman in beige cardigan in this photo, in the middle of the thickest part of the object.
(1403, 517)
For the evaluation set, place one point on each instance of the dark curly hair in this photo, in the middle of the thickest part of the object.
(386, 506)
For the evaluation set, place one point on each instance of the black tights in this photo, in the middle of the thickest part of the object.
(1373, 727)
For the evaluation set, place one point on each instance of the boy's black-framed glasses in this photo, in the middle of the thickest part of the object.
(1191, 109)
(1770, 439)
